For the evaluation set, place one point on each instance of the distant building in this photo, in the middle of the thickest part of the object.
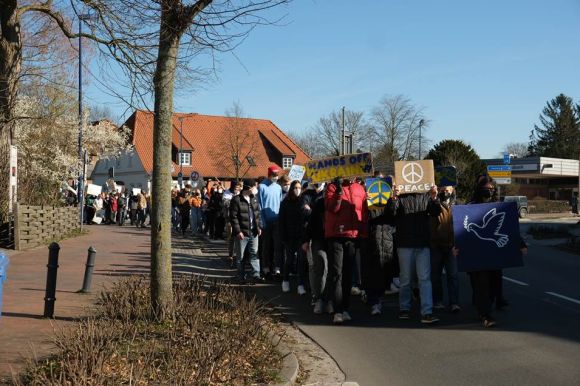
(214, 147)
(550, 178)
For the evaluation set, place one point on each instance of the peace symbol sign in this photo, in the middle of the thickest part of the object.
(379, 193)
(412, 173)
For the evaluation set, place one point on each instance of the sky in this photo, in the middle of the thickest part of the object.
(482, 70)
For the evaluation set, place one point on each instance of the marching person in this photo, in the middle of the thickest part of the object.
(345, 224)
(184, 206)
(247, 227)
(269, 198)
(291, 220)
(442, 255)
(411, 213)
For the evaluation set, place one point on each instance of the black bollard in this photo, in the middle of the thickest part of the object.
(89, 270)
(49, 298)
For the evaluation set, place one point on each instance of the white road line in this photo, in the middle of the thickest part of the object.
(564, 297)
(515, 281)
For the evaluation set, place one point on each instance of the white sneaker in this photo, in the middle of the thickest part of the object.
(301, 290)
(277, 271)
(355, 291)
(338, 318)
(318, 307)
(329, 309)
(285, 286)
(346, 316)
(376, 309)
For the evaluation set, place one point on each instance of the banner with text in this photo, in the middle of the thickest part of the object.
(346, 166)
(487, 236)
(414, 176)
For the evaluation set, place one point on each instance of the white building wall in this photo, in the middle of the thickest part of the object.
(128, 169)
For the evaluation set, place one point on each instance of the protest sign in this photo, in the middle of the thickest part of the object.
(346, 166)
(93, 190)
(378, 192)
(414, 176)
(136, 191)
(487, 236)
(446, 176)
(296, 173)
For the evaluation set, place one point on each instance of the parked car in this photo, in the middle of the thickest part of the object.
(521, 201)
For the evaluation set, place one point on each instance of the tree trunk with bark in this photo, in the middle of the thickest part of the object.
(10, 65)
(161, 275)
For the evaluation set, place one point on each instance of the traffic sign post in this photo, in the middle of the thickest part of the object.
(180, 180)
(506, 159)
(500, 173)
(194, 176)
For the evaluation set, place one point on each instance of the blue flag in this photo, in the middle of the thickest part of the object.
(487, 236)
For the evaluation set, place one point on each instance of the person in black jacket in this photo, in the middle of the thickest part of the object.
(246, 227)
(291, 223)
(411, 213)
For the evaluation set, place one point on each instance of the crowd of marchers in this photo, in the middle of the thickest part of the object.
(326, 239)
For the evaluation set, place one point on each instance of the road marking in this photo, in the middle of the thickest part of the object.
(564, 297)
(515, 281)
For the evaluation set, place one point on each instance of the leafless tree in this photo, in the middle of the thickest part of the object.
(516, 149)
(396, 125)
(328, 131)
(237, 152)
(310, 142)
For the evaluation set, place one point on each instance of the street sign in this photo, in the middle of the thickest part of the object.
(506, 159)
(503, 181)
(499, 168)
(194, 176)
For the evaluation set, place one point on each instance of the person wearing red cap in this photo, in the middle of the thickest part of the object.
(269, 198)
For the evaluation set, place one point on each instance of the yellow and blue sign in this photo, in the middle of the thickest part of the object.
(344, 166)
(378, 192)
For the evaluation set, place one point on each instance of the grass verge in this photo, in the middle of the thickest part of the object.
(216, 336)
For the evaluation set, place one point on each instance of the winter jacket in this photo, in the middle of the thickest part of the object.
(113, 204)
(196, 202)
(411, 213)
(184, 205)
(442, 228)
(240, 215)
(291, 221)
(346, 214)
(381, 235)
(216, 204)
(315, 226)
(141, 201)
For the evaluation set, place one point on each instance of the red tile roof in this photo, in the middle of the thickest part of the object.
(207, 136)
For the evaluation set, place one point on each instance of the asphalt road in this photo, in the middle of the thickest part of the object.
(536, 342)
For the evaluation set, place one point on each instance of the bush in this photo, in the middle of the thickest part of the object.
(216, 336)
(549, 232)
(548, 206)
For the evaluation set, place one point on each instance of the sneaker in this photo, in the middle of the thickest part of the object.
(329, 309)
(376, 309)
(338, 319)
(364, 297)
(277, 271)
(285, 286)
(429, 319)
(404, 314)
(318, 307)
(301, 290)
(455, 308)
(439, 306)
(488, 321)
(346, 316)
(355, 291)
(393, 290)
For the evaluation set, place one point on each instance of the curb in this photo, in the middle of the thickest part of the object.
(289, 371)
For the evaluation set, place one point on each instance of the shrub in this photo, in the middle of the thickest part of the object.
(548, 206)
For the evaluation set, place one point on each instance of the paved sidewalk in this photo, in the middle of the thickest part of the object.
(120, 251)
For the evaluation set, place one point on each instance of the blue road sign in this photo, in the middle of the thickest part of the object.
(499, 168)
(506, 159)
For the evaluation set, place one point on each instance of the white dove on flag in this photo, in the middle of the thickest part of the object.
(489, 230)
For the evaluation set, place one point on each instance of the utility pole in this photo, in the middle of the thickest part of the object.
(181, 152)
(81, 180)
(421, 123)
(342, 142)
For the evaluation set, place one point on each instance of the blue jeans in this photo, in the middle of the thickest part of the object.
(195, 221)
(442, 257)
(415, 260)
(251, 244)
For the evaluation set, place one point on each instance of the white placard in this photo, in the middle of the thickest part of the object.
(94, 190)
(136, 191)
(296, 173)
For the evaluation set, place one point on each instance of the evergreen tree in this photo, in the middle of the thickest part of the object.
(467, 162)
(558, 135)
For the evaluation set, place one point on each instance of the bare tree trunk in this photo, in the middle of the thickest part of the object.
(161, 276)
(10, 65)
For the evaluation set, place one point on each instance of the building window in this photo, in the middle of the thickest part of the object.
(287, 162)
(185, 158)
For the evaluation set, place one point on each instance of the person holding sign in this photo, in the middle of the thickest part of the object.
(412, 213)
(345, 224)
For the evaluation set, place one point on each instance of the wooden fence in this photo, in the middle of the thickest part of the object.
(38, 225)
